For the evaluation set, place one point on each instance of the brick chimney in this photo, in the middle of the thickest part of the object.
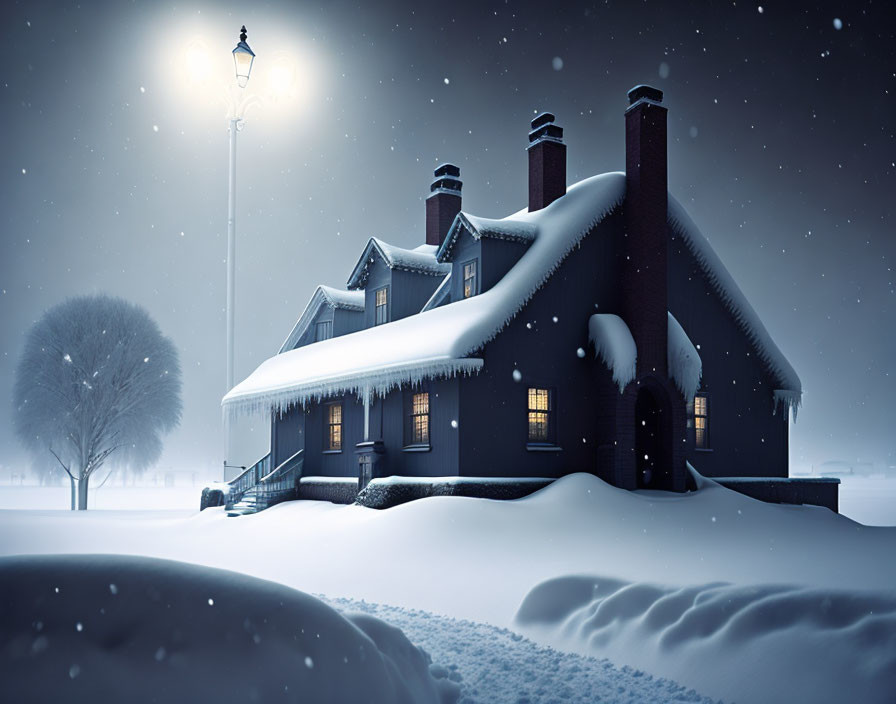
(547, 162)
(443, 203)
(644, 281)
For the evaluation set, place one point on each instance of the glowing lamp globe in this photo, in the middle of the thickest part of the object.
(243, 57)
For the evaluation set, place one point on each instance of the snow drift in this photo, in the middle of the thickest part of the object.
(767, 643)
(115, 628)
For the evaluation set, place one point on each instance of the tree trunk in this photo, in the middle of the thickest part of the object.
(82, 493)
(74, 494)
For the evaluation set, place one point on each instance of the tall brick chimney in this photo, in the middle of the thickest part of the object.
(644, 281)
(443, 203)
(547, 162)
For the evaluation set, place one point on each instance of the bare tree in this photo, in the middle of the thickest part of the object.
(97, 383)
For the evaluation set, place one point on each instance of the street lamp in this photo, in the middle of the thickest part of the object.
(243, 58)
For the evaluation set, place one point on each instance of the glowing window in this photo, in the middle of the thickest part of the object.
(701, 422)
(382, 306)
(334, 427)
(470, 279)
(540, 411)
(419, 419)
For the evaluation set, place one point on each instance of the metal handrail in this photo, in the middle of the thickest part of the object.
(282, 479)
(248, 479)
(280, 467)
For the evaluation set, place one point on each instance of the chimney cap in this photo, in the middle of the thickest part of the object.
(644, 91)
(446, 170)
(543, 119)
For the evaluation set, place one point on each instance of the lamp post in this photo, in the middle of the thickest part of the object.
(243, 58)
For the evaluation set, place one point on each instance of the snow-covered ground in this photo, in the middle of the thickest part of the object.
(868, 500)
(117, 628)
(479, 560)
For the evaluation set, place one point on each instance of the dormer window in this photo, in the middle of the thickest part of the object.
(470, 279)
(382, 306)
(323, 330)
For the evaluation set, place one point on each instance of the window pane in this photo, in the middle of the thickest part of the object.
(538, 400)
(538, 426)
(700, 405)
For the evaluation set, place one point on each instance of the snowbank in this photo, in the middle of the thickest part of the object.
(498, 666)
(761, 644)
(115, 628)
(477, 559)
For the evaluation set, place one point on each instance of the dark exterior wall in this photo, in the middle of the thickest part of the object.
(387, 418)
(747, 436)
(287, 435)
(494, 258)
(408, 291)
(344, 322)
(465, 249)
(493, 407)
(378, 276)
(320, 462)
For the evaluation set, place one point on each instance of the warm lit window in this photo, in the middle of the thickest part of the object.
(701, 422)
(323, 330)
(470, 279)
(540, 420)
(382, 306)
(418, 419)
(334, 427)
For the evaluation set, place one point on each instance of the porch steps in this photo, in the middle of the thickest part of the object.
(246, 505)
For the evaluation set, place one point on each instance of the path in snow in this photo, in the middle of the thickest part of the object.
(497, 666)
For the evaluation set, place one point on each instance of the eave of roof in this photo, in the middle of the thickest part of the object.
(421, 260)
(514, 231)
(323, 295)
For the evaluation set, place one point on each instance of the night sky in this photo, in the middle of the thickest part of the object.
(114, 169)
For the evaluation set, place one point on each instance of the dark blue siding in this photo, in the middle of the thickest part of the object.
(493, 406)
(747, 437)
(494, 258)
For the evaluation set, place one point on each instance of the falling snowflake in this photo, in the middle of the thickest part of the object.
(517, 375)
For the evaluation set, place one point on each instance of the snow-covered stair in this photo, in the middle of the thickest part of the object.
(247, 504)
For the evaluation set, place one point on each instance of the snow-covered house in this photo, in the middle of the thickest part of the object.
(596, 330)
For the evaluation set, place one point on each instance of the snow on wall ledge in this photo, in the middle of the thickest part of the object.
(685, 365)
(614, 344)
(437, 342)
(789, 388)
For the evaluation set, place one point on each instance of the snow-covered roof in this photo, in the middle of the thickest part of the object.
(615, 346)
(683, 360)
(437, 342)
(788, 391)
(443, 340)
(440, 294)
(505, 229)
(421, 259)
(323, 295)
